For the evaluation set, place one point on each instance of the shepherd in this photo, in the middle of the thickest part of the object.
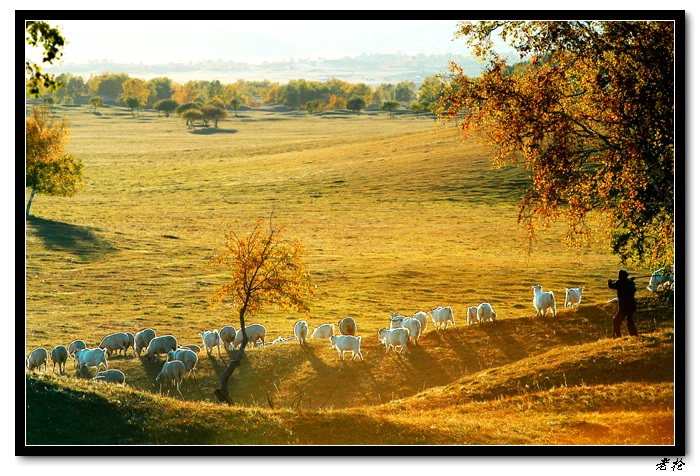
(626, 303)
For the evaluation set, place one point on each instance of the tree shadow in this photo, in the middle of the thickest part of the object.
(78, 240)
(212, 130)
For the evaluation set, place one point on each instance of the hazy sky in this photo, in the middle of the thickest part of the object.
(253, 41)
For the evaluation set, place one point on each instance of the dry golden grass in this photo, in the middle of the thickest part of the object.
(396, 215)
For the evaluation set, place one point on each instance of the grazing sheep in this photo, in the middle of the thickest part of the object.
(485, 313)
(301, 330)
(347, 326)
(115, 342)
(72, 347)
(227, 334)
(37, 358)
(396, 320)
(347, 344)
(443, 316)
(573, 297)
(160, 346)
(413, 326)
(75, 345)
(142, 339)
(192, 347)
(423, 319)
(87, 358)
(543, 301)
(472, 315)
(211, 339)
(173, 371)
(186, 356)
(59, 355)
(281, 339)
(110, 376)
(394, 338)
(324, 331)
(132, 340)
(255, 332)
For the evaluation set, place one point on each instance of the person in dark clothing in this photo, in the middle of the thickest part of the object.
(626, 305)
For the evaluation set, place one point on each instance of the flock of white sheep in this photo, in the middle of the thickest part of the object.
(180, 359)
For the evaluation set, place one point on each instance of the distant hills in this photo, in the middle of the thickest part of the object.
(371, 69)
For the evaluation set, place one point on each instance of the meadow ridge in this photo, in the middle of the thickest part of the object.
(397, 214)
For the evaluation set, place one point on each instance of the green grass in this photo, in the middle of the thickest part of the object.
(397, 214)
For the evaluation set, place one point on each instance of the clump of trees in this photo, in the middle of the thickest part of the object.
(590, 115)
(196, 112)
(390, 106)
(313, 96)
(165, 106)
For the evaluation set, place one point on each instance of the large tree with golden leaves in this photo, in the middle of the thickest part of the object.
(590, 115)
(263, 269)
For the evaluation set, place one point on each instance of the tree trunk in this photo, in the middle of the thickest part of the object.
(29, 205)
(222, 392)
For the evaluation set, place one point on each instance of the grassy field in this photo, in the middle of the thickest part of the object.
(397, 214)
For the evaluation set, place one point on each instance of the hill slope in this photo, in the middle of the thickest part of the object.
(494, 384)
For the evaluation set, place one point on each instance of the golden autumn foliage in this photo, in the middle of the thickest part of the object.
(49, 169)
(590, 115)
(263, 269)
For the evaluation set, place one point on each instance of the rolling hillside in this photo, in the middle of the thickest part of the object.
(396, 214)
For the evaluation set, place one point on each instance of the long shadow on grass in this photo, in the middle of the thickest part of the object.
(323, 371)
(152, 369)
(78, 240)
(56, 416)
(464, 348)
(212, 130)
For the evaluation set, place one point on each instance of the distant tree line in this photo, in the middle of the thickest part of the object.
(165, 96)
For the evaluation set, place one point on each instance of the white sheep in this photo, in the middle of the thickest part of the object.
(543, 301)
(472, 315)
(110, 376)
(423, 319)
(115, 342)
(413, 326)
(160, 346)
(301, 330)
(573, 297)
(132, 341)
(59, 355)
(347, 326)
(324, 331)
(254, 332)
(174, 372)
(186, 356)
(395, 320)
(75, 345)
(211, 339)
(142, 339)
(193, 347)
(87, 358)
(485, 313)
(442, 316)
(347, 344)
(394, 338)
(72, 347)
(227, 334)
(37, 358)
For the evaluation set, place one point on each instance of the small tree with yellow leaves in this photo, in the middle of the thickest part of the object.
(48, 168)
(263, 269)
